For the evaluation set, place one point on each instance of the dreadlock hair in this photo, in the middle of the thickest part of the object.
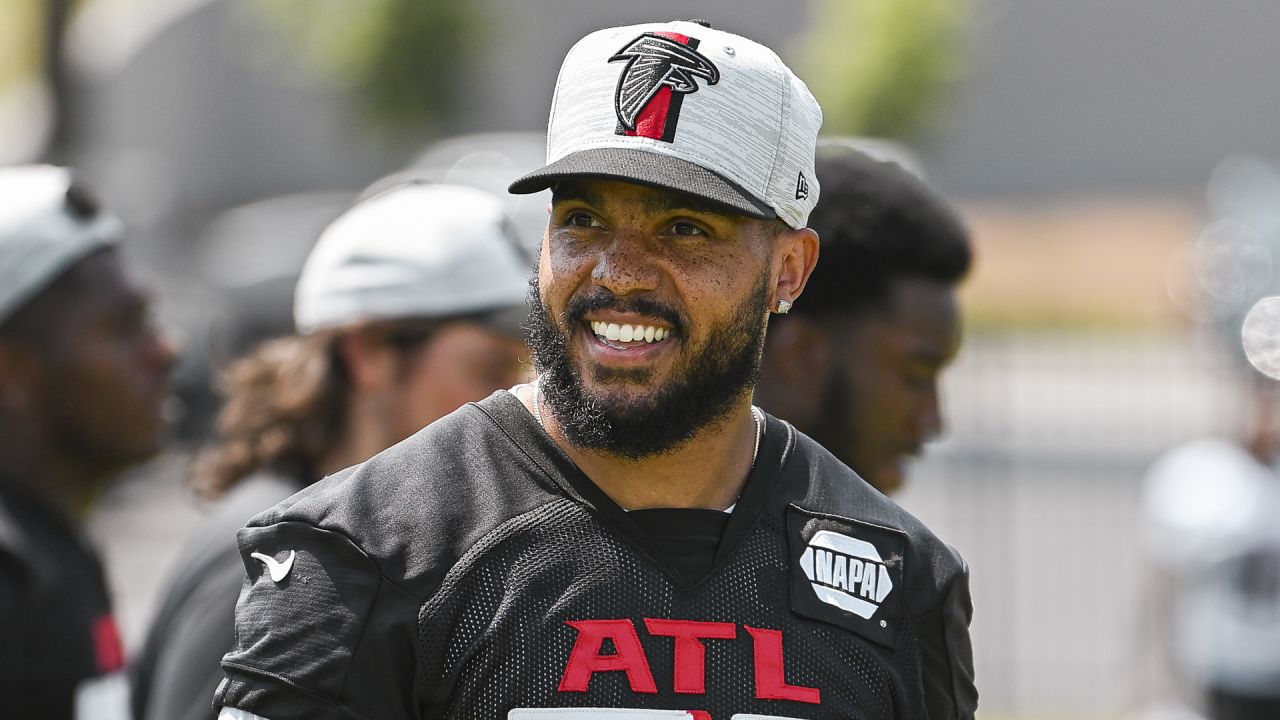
(286, 405)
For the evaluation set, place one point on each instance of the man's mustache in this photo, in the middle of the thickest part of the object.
(578, 308)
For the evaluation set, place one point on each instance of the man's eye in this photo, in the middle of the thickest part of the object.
(582, 220)
(686, 228)
(131, 320)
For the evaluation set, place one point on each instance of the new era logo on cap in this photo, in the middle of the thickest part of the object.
(802, 187)
(688, 108)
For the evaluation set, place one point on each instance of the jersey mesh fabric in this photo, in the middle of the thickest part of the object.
(445, 584)
(496, 634)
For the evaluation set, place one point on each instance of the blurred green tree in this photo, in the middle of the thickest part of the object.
(878, 67)
(21, 39)
(404, 56)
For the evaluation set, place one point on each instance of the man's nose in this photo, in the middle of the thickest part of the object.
(626, 266)
(160, 351)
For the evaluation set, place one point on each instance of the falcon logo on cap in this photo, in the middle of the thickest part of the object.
(661, 69)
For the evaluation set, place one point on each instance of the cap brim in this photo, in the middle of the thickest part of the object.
(646, 168)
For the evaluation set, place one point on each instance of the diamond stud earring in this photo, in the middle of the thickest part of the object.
(783, 308)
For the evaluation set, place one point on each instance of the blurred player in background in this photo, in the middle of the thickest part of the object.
(1211, 507)
(83, 380)
(856, 365)
(1212, 521)
(410, 305)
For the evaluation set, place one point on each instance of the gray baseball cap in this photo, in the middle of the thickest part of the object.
(416, 250)
(47, 223)
(689, 108)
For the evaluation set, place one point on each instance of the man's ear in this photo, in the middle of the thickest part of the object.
(797, 253)
(21, 373)
(371, 362)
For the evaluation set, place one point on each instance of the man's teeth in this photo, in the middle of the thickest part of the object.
(629, 333)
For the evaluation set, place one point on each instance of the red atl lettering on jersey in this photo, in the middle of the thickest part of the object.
(771, 681)
(588, 658)
(691, 653)
(689, 674)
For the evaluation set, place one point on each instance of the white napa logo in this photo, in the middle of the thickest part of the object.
(846, 572)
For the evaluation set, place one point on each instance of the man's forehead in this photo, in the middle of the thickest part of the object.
(927, 313)
(919, 318)
(597, 191)
(100, 279)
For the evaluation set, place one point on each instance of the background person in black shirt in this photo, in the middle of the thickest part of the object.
(83, 377)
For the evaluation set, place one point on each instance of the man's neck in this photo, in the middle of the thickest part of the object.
(63, 485)
(708, 471)
(364, 435)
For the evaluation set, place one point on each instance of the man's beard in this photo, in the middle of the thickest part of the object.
(703, 388)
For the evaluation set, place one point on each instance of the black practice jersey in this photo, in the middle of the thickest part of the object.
(60, 653)
(473, 571)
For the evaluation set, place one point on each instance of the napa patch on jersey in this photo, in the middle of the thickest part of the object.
(846, 572)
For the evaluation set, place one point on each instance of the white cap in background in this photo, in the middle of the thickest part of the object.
(416, 250)
(47, 223)
(688, 108)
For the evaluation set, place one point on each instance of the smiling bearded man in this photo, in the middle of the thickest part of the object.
(628, 536)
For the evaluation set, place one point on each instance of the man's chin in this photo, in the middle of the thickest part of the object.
(889, 477)
(621, 381)
(621, 387)
(622, 402)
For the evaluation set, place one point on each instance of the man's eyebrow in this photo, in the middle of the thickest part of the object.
(125, 301)
(670, 201)
(570, 190)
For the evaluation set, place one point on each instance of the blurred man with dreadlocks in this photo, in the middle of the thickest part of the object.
(409, 306)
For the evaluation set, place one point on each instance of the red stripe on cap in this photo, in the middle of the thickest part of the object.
(106, 644)
(652, 121)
